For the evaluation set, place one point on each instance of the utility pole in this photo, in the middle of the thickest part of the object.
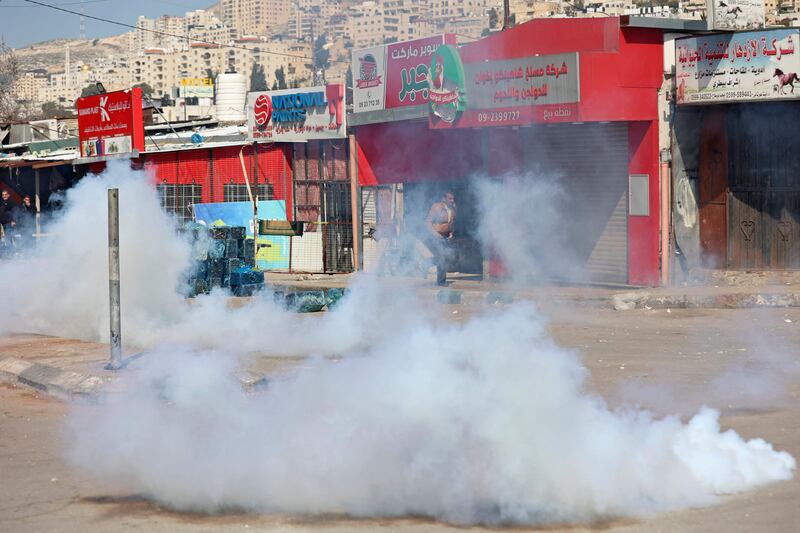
(115, 363)
(506, 14)
(83, 23)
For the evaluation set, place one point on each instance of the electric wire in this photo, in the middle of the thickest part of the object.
(167, 34)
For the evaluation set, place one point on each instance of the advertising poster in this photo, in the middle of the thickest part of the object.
(738, 67)
(110, 123)
(735, 14)
(293, 115)
(273, 252)
(369, 79)
(407, 66)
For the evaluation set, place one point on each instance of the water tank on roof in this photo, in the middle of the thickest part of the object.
(231, 97)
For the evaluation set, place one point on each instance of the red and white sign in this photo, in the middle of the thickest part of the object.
(394, 75)
(111, 123)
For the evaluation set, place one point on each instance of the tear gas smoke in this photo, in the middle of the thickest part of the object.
(521, 221)
(486, 421)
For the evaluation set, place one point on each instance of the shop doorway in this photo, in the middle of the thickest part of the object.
(763, 187)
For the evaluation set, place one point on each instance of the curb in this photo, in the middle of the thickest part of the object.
(644, 300)
(62, 384)
(67, 385)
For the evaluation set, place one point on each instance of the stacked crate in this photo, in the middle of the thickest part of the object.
(223, 257)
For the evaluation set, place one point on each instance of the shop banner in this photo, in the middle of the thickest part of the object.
(196, 87)
(502, 93)
(738, 67)
(110, 123)
(369, 79)
(735, 14)
(394, 75)
(294, 115)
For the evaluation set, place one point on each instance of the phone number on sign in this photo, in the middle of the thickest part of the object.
(500, 116)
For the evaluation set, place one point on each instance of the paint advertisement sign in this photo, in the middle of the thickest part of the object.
(110, 123)
(196, 87)
(292, 115)
(738, 67)
(369, 79)
(735, 14)
(502, 93)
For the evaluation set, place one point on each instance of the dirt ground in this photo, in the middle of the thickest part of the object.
(745, 362)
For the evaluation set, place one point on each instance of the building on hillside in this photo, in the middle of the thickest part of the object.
(27, 86)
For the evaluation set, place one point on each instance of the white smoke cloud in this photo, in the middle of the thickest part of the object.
(482, 422)
(522, 222)
(486, 421)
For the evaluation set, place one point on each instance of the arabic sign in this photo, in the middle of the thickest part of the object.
(738, 67)
(735, 14)
(297, 114)
(407, 65)
(519, 91)
(369, 69)
(110, 123)
(394, 75)
(196, 87)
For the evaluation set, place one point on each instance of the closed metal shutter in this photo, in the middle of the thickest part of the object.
(591, 163)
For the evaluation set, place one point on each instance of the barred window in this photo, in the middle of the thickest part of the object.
(235, 192)
(179, 199)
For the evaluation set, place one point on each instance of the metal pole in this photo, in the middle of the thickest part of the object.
(38, 204)
(506, 15)
(113, 280)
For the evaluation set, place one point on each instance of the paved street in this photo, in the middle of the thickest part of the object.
(742, 361)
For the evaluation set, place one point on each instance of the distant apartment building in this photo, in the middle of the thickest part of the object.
(27, 86)
(525, 10)
(256, 17)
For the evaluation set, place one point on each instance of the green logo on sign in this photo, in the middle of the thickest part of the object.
(446, 82)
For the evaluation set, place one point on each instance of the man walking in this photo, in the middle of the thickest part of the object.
(440, 223)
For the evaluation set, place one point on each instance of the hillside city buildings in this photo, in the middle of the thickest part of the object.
(235, 35)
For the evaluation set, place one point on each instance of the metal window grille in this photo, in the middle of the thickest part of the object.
(179, 199)
(236, 192)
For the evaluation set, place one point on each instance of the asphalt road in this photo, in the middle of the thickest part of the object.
(742, 361)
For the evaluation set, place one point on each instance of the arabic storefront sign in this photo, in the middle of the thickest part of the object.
(110, 123)
(297, 114)
(369, 69)
(738, 67)
(196, 87)
(501, 93)
(394, 75)
(735, 14)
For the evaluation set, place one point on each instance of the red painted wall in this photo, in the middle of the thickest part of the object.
(643, 232)
(621, 70)
(408, 151)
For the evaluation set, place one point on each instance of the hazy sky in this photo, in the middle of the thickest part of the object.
(22, 23)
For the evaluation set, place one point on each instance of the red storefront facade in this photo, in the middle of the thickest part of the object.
(614, 124)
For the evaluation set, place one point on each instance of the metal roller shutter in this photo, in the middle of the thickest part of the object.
(591, 161)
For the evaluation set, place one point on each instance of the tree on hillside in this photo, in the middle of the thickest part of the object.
(54, 109)
(10, 108)
(147, 91)
(280, 79)
(322, 55)
(493, 18)
(258, 79)
(89, 90)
